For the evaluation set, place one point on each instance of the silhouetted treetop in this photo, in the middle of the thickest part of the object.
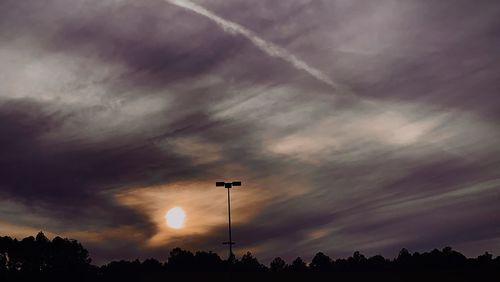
(298, 265)
(278, 265)
(321, 262)
(43, 259)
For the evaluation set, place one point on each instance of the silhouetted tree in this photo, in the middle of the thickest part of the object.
(180, 260)
(43, 250)
(357, 261)
(496, 261)
(29, 255)
(67, 256)
(151, 265)
(38, 258)
(403, 256)
(485, 262)
(485, 258)
(377, 263)
(208, 261)
(249, 263)
(5, 243)
(452, 258)
(3, 262)
(321, 262)
(278, 265)
(298, 265)
(44, 259)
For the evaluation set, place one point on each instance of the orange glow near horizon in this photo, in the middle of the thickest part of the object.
(203, 204)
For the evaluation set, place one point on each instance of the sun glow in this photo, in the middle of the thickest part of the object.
(175, 218)
(204, 206)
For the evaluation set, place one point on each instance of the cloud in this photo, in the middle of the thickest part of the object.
(110, 111)
(268, 47)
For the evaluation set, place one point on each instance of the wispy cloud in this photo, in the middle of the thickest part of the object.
(267, 47)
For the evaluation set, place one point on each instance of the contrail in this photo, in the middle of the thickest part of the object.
(268, 47)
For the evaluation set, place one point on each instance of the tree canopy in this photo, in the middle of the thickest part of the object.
(61, 258)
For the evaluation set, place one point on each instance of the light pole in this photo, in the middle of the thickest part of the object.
(228, 186)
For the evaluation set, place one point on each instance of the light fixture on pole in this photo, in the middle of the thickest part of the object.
(228, 186)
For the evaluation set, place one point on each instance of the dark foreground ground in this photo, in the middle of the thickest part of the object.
(253, 276)
(40, 259)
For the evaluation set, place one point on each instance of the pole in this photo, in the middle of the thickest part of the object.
(229, 185)
(229, 215)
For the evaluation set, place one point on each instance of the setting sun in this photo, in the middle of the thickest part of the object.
(175, 218)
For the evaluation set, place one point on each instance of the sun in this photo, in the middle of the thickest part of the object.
(175, 218)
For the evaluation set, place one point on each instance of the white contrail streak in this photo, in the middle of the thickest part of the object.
(268, 47)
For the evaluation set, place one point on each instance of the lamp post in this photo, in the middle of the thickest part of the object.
(228, 186)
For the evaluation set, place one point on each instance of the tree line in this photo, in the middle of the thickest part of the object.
(61, 258)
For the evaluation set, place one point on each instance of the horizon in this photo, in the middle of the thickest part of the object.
(352, 126)
(305, 259)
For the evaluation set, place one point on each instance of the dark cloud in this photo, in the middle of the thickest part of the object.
(148, 41)
(67, 177)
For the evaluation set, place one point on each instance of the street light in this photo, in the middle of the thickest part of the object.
(228, 186)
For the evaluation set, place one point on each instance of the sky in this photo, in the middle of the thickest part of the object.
(353, 125)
